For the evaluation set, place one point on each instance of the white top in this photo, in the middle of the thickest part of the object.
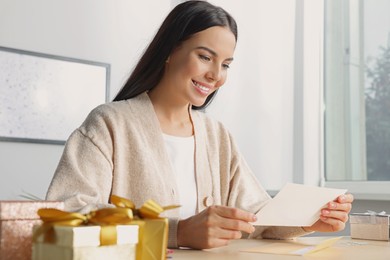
(181, 152)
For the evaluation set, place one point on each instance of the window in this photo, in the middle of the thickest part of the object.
(357, 91)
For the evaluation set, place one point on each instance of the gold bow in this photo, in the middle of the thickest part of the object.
(107, 218)
(150, 209)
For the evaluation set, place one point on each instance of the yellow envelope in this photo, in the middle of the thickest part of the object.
(292, 248)
(152, 239)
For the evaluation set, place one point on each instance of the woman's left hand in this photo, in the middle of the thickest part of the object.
(334, 216)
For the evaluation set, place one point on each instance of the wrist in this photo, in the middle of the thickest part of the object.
(180, 233)
(307, 229)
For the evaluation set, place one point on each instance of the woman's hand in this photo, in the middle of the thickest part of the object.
(214, 227)
(334, 216)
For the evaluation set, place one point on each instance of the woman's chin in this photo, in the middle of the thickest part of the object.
(199, 103)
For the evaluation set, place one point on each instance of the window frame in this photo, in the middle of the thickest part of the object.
(314, 110)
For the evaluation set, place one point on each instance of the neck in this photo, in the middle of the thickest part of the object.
(173, 116)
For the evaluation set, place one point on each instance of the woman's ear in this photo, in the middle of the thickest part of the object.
(167, 60)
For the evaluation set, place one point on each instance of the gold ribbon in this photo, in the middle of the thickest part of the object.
(107, 218)
(150, 209)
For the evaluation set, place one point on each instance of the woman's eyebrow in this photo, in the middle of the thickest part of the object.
(215, 54)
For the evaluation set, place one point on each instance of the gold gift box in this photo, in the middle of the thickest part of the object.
(83, 242)
(152, 238)
(17, 219)
(371, 226)
(153, 230)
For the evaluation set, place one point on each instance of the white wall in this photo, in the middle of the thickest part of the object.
(113, 32)
(256, 103)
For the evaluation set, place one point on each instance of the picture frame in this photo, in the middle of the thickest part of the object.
(44, 98)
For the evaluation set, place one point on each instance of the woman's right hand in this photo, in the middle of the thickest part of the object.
(213, 227)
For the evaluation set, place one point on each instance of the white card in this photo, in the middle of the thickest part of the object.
(296, 205)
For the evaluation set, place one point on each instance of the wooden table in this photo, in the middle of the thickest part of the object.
(345, 248)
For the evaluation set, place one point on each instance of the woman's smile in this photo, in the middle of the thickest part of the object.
(202, 88)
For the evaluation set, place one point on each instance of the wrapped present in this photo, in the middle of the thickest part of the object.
(44, 251)
(97, 235)
(17, 219)
(153, 238)
(370, 225)
(84, 242)
(153, 230)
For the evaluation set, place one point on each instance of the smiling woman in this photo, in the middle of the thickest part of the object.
(150, 69)
(152, 143)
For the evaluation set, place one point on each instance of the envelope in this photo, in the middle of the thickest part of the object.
(289, 248)
(296, 205)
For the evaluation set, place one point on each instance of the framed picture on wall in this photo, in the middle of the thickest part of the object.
(44, 98)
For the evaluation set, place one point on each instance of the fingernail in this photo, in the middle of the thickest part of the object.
(325, 212)
(254, 218)
(332, 205)
(342, 198)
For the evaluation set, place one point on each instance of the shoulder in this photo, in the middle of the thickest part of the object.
(118, 110)
(115, 115)
(106, 113)
(110, 109)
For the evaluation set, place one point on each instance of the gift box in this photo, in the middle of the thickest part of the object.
(153, 238)
(17, 219)
(153, 230)
(85, 243)
(370, 225)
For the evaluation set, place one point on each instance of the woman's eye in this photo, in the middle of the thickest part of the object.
(226, 66)
(203, 57)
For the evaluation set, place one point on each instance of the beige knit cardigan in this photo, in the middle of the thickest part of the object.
(119, 149)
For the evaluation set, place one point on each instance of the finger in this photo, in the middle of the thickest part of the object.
(234, 219)
(336, 224)
(234, 213)
(222, 233)
(236, 225)
(346, 207)
(334, 214)
(346, 198)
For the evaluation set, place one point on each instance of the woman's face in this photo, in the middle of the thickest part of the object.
(199, 65)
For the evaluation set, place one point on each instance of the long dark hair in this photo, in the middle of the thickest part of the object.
(182, 22)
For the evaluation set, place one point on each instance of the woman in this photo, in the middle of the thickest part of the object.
(151, 143)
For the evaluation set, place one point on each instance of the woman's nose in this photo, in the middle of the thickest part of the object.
(214, 74)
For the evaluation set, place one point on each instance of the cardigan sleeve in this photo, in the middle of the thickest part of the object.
(83, 178)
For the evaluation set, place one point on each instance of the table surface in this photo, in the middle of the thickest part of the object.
(345, 248)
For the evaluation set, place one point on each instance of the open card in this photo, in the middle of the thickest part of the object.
(288, 248)
(296, 205)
